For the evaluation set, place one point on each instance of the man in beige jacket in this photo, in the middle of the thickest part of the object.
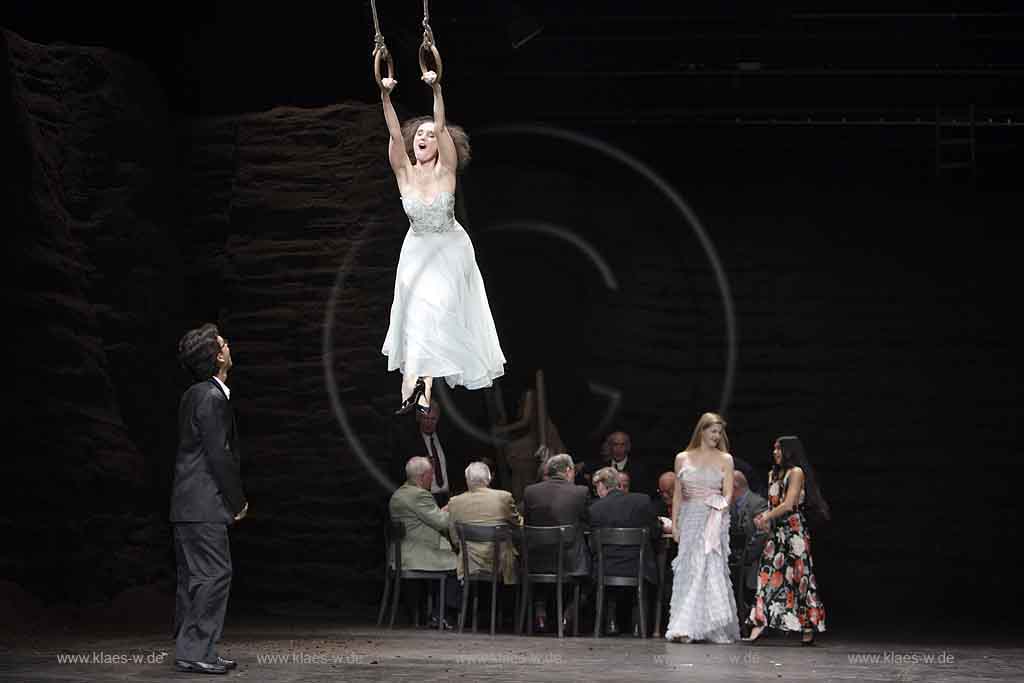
(484, 506)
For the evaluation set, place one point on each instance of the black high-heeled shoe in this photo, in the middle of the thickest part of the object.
(807, 639)
(413, 400)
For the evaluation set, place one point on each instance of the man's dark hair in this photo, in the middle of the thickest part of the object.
(197, 352)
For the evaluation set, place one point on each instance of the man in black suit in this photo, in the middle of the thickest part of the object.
(206, 499)
(616, 508)
(425, 441)
(616, 452)
(556, 501)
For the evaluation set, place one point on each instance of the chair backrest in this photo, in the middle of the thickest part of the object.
(536, 537)
(482, 533)
(393, 544)
(619, 536)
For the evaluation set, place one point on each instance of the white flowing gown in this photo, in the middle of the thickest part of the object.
(441, 323)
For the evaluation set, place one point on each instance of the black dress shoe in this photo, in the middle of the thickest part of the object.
(444, 624)
(199, 667)
(227, 663)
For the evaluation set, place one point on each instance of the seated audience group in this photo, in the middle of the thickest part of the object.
(431, 540)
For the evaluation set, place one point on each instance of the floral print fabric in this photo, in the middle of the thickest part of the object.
(787, 593)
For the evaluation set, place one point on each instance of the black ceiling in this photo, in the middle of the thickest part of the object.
(598, 61)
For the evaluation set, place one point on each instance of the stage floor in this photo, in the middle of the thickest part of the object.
(281, 649)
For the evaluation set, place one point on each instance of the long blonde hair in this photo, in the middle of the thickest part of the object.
(705, 421)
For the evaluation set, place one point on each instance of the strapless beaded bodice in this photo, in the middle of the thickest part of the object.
(700, 482)
(437, 215)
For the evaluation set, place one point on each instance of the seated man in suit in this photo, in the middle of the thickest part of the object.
(616, 508)
(744, 507)
(616, 452)
(425, 546)
(661, 502)
(556, 501)
(483, 505)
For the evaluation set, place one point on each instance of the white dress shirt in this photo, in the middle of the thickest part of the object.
(227, 391)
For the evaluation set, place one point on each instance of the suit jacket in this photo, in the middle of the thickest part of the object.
(628, 510)
(407, 441)
(485, 506)
(557, 502)
(755, 540)
(659, 507)
(639, 474)
(425, 546)
(207, 469)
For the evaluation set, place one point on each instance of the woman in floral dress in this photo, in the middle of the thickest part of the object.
(787, 592)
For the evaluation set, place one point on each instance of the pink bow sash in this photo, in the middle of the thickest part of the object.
(718, 504)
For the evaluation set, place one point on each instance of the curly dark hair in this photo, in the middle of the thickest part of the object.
(459, 137)
(197, 352)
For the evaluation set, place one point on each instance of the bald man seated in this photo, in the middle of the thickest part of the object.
(746, 505)
(426, 546)
(661, 502)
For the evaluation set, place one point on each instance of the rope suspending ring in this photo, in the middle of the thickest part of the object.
(381, 55)
(427, 47)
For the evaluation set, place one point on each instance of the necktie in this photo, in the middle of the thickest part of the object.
(438, 470)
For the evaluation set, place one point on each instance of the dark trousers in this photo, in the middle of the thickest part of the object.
(543, 595)
(415, 595)
(203, 556)
(620, 604)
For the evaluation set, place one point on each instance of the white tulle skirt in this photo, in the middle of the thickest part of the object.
(703, 606)
(441, 323)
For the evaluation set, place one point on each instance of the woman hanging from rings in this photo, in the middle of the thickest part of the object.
(441, 323)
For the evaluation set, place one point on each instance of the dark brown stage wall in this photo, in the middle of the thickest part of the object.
(824, 281)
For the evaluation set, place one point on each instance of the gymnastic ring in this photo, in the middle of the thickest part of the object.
(382, 55)
(426, 47)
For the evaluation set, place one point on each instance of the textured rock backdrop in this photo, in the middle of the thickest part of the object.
(92, 297)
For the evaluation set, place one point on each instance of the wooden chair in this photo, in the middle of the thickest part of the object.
(497, 535)
(602, 538)
(394, 574)
(561, 538)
